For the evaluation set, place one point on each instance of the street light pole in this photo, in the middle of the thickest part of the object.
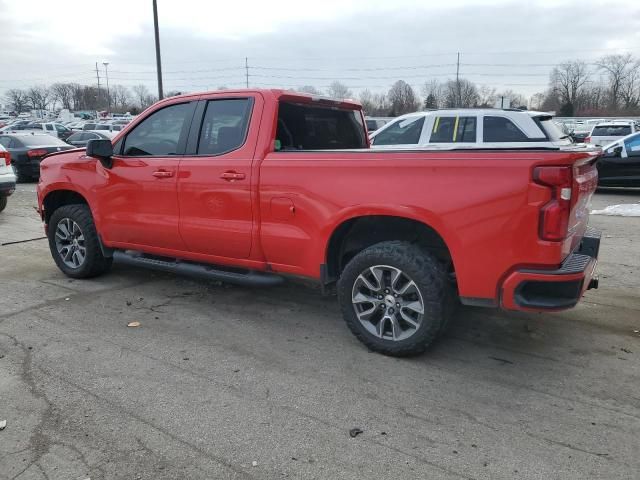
(158, 63)
(106, 73)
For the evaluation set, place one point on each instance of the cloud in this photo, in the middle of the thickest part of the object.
(365, 44)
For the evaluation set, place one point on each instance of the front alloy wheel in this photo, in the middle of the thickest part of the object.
(70, 244)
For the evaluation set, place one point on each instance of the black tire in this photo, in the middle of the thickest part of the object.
(95, 263)
(3, 203)
(428, 275)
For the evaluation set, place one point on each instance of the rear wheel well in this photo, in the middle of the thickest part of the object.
(59, 198)
(354, 235)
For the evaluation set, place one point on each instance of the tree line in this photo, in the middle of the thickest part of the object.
(608, 87)
(75, 97)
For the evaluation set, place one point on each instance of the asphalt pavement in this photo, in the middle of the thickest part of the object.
(223, 382)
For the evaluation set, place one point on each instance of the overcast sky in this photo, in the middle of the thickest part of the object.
(363, 43)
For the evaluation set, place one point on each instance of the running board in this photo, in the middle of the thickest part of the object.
(198, 270)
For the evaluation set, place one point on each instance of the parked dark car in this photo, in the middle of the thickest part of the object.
(80, 139)
(27, 151)
(619, 165)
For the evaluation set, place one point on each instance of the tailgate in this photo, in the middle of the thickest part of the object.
(585, 182)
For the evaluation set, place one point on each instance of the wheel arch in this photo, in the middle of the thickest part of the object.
(356, 233)
(58, 198)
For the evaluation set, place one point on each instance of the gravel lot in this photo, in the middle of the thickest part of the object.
(228, 382)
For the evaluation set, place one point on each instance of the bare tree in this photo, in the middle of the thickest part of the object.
(618, 68)
(17, 100)
(433, 92)
(537, 99)
(402, 99)
(120, 97)
(461, 94)
(516, 100)
(630, 89)
(63, 93)
(310, 89)
(487, 96)
(39, 97)
(142, 95)
(339, 90)
(568, 80)
(367, 101)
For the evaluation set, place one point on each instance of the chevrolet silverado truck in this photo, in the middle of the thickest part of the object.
(252, 186)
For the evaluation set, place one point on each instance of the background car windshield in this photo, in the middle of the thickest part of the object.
(402, 132)
(611, 131)
(42, 140)
(554, 131)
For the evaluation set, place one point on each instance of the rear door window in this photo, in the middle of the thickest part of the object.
(402, 132)
(224, 127)
(501, 129)
(318, 127)
(453, 130)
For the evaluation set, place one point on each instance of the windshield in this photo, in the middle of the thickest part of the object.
(611, 130)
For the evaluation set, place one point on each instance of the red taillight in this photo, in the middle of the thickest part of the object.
(554, 216)
(7, 157)
(39, 152)
(587, 139)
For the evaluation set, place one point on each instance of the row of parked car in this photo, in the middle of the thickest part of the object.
(619, 165)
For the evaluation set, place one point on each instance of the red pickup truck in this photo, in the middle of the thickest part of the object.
(251, 186)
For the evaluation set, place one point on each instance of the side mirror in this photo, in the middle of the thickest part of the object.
(617, 151)
(102, 150)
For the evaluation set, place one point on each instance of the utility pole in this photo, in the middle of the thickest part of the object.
(158, 62)
(246, 68)
(106, 73)
(459, 99)
(98, 95)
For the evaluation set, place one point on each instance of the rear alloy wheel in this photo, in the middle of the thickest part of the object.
(74, 242)
(395, 298)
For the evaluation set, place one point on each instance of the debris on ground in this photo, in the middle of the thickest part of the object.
(3, 424)
(254, 464)
(133, 324)
(354, 432)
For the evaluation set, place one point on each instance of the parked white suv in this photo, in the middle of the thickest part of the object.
(471, 128)
(7, 178)
(605, 133)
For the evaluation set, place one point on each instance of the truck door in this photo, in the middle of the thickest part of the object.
(137, 197)
(215, 183)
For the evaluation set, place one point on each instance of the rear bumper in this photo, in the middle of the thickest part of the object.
(544, 290)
